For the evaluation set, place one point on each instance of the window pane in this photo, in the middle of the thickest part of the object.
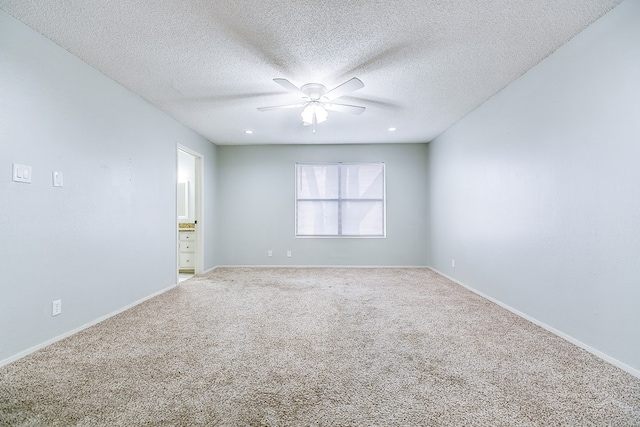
(336, 199)
(317, 218)
(363, 218)
(317, 181)
(365, 181)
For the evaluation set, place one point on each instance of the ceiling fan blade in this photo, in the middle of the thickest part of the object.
(345, 88)
(280, 107)
(343, 108)
(289, 86)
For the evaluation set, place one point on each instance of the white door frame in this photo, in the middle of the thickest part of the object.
(199, 217)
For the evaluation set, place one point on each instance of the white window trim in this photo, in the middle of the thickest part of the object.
(341, 236)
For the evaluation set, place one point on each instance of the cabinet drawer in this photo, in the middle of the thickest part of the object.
(187, 260)
(187, 235)
(186, 246)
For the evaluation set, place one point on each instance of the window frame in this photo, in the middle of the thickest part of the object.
(340, 200)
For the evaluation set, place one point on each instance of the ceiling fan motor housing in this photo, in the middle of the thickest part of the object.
(314, 91)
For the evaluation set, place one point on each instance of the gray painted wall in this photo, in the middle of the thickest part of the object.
(535, 194)
(108, 237)
(256, 203)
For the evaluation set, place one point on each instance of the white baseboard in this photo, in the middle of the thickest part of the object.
(76, 330)
(595, 352)
(320, 266)
(209, 270)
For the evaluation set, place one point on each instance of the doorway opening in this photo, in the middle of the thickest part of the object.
(189, 224)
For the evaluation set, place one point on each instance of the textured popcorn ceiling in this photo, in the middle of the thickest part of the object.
(425, 63)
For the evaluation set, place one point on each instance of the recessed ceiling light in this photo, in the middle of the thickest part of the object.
(391, 129)
(248, 132)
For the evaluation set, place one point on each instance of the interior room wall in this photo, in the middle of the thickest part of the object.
(257, 206)
(107, 238)
(535, 194)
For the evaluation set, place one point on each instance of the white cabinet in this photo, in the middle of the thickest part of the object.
(187, 250)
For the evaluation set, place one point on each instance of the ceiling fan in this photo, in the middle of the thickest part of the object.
(317, 101)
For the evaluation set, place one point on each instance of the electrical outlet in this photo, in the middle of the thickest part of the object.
(56, 307)
(270, 253)
(453, 263)
(288, 254)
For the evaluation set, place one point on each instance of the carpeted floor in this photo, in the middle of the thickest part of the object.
(316, 347)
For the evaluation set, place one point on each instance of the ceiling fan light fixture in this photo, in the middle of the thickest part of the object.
(314, 113)
(317, 100)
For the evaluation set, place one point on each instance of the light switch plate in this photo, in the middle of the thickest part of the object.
(21, 173)
(57, 179)
(56, 307)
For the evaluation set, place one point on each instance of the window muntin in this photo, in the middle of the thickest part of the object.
(340, 200)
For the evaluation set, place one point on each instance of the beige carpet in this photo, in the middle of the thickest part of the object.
(316, 347)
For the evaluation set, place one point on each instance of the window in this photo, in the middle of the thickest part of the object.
(340, 199)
